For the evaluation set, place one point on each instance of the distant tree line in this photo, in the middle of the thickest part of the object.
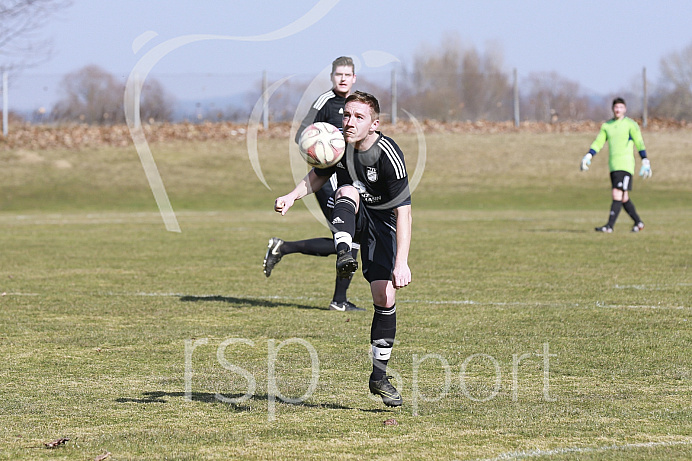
(451, 82)
(447, 83)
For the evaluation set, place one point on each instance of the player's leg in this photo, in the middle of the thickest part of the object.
(616, 178)
(378, 264)
(383, 328)
(317, 246)
(279, 248)
(340, 300)
(631, 210)
(323, 246)
(382, 334)
(615, 207)
(343, 223)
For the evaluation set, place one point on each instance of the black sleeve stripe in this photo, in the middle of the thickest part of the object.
(322, 100)
(394, 158)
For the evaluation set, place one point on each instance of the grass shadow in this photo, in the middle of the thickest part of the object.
(244, 302)
(562, 231)
(210, 397)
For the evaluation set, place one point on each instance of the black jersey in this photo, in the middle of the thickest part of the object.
(378, 173)
(329, 107)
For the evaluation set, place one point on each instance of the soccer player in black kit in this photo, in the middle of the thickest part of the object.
(372, 206)
(328, 107)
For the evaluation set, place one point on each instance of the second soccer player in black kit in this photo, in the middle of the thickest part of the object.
(328, 107)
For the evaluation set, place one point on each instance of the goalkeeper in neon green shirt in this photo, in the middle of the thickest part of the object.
(622, 133)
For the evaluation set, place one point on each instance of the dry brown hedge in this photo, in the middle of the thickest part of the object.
(41, 137)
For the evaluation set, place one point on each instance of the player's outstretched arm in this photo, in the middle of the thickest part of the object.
(595, 147)
(401, 275)
(310, 183)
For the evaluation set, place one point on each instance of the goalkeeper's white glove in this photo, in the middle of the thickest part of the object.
(585, 162)
(645, 172)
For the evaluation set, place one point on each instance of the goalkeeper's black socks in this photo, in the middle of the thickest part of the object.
(615, 208)
(632, 211)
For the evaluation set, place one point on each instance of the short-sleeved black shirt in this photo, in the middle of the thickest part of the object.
(328, 107)
(379, 174)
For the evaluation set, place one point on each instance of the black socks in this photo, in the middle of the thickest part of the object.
(382, 333)
(615, 208)
(314, 247)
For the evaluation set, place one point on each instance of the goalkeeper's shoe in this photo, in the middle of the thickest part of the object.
(383, 388)
(638, 227)
(346, 264)
(606, 229)
(344, 306)
(273, 255)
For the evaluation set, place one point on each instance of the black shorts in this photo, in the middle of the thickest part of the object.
(377, 242)
(621, 180)
(377, 245)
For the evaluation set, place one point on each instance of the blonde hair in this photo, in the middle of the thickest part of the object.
(366, 98)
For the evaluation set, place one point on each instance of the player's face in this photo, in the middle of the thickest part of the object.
(343, 79)
(619, 110)
(358, 122)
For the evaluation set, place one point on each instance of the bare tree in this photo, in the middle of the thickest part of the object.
(552, 97)
(674, 95)
(454, 82)
(21, 21)
(435, 79)
(485, 87)
(157, 103)
(94, 96)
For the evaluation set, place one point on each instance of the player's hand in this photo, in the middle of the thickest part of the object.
(282, 204)
(585, 162)
(645, 172)
(401, 276)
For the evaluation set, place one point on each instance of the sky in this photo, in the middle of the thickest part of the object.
(602, 45)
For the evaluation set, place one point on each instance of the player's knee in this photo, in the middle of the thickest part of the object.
(383, 294)
(348, 191)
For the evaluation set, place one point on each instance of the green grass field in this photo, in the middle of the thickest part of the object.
(525, 334)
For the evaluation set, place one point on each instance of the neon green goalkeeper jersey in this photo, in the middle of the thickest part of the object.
(621, 136)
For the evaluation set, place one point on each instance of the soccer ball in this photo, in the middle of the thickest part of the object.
(322, 145)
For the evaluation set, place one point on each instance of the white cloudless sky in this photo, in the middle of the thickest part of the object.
(602, 45)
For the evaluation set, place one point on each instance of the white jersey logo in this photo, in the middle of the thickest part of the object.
(371, 174)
